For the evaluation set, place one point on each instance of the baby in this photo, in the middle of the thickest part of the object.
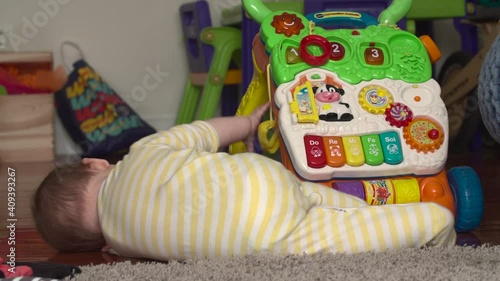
(175, 197)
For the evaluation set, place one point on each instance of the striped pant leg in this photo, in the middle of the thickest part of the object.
(326, 196)
(371, 228)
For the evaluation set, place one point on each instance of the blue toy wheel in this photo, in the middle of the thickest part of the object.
(468, 194)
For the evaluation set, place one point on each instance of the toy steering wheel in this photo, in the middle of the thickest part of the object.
(342, 19)
(346, 19)
(396, 11)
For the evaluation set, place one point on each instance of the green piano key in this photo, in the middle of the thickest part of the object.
(373, 150)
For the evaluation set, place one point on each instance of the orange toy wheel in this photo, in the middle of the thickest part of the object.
(432, 48)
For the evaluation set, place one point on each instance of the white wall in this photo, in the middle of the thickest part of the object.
(120, 39)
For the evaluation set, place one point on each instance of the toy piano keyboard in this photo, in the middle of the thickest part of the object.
(333, 129)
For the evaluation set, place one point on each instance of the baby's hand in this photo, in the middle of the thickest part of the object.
(255, 119)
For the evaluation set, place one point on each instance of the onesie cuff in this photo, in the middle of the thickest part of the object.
(211, 133)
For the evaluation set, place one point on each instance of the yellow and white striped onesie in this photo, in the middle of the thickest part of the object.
(174, 197)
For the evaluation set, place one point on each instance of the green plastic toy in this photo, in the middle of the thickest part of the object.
(203, 91)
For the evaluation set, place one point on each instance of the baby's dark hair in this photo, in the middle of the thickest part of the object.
(57, 210)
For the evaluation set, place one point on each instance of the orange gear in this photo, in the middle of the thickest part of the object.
(424, 134)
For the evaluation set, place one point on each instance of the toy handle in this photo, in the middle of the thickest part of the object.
(395, 12)
(268, 137)
(342, 19)
(256, 9)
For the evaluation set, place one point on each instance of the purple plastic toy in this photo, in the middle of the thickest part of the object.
(195, 16)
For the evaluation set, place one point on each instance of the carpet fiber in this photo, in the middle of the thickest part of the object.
(457, 263)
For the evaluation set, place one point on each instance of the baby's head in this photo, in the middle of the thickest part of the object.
(65, 206)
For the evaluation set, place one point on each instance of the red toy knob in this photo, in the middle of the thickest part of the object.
(319, 41)
(433, 134)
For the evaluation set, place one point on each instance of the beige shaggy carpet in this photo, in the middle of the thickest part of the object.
(457, 263)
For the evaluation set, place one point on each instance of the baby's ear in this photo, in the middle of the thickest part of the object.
(95, 163)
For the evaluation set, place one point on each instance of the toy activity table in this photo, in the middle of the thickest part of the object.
(357, 109)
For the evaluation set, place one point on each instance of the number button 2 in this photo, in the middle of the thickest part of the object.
(338, 51)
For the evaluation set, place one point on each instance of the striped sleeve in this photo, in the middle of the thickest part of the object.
(199, 134)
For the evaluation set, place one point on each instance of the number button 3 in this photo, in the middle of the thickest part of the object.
(373, 55)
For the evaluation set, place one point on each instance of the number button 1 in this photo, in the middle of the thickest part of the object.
(338, 51)
(292, 55)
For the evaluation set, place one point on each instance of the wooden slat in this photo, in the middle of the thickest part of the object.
(19, 112)
(25, 57)
(43, 130)
(35, 150)
(27, 128)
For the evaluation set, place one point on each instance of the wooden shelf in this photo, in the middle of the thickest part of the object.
(26, 126)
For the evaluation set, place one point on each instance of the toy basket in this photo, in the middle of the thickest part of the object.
(489, 90)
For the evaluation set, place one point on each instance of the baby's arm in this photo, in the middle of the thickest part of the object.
(238, 128)
(208, 135)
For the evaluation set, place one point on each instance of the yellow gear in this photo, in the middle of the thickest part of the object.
(375, 99)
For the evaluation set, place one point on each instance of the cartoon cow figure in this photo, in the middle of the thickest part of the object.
(330, 108)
